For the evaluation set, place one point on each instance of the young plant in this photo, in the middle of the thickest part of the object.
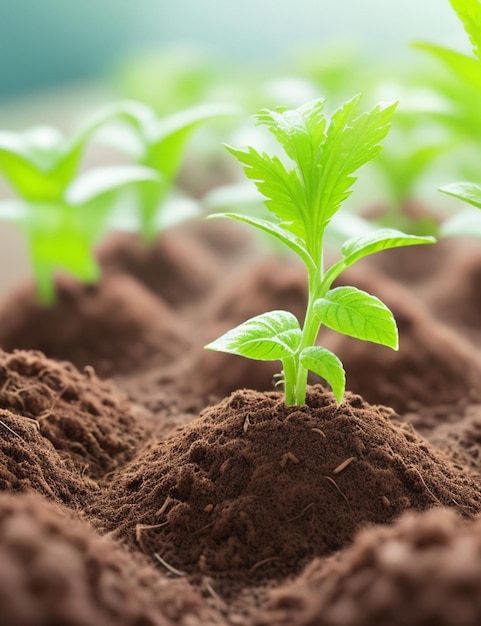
(303, 192)
(468, 69)
(159, 144)
(62, 213)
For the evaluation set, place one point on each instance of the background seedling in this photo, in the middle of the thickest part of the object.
(62, 213)
(303, 189)
(467, 70)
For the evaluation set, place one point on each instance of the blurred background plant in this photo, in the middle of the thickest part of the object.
(59, 62)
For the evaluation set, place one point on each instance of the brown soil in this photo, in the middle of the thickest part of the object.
(57, 571)
(424, 569)
(172, 502)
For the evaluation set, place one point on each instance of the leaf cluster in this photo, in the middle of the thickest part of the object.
(65, 211)
(303, 190)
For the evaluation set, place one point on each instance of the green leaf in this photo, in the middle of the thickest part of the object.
(282, 190)
(469, 192)
(268, 337)
(328, 366)
(469, 12)
(356, 313)
(460, 64)
(299, 131)
(167, 139)
(350, 143)
(290, 240)
(358, 247)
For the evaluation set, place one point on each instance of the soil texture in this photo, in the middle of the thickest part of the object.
(145, 481)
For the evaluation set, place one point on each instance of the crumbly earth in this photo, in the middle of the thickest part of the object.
(255, 488)
(157, 498)
(57, 571)
(424, 570)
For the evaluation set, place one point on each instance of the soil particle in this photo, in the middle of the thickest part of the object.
(253, 489)
(424, 570)
(117, 327)
(29, 462)
(55, 571)
(88, 423)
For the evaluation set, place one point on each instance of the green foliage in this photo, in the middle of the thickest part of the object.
(460, 86)
(64, 213)
(303, 190)
(467, 69)
(159, 144)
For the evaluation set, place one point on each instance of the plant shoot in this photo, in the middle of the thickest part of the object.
(303, 192)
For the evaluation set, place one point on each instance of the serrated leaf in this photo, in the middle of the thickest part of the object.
(281, 188)
(358, 314)
(328, 366)
(299, 131)
(469, 12)
(350, 143)
(469, 192)
(268, 337)
(290, 240)
(358, 247)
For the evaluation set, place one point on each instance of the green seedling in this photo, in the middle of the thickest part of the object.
(303, 190)
(468, 69)
(63, 214)
(460, 86)
(159, 144)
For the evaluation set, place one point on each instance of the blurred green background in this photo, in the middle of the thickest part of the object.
(48, 43)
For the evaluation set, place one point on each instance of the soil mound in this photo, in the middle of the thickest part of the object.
(29, 462)
(455, 295)
(90, 426)
(54, 570)
(424, 570)
(177, 266)
(117, 327)
(253, 488)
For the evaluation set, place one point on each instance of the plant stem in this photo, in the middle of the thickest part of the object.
(290, 376)
(310, 331)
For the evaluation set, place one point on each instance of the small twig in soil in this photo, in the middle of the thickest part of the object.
(288, 456)
(343, 465)
(201, 530)
(338, 489)
(319, 432)
(246, 425)
(170, 568)
(259, 564)
(425, 486)
(304, 510)
(48, 412)
(211, 591)
(141, 528)
(163, 508)
(10, 429)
